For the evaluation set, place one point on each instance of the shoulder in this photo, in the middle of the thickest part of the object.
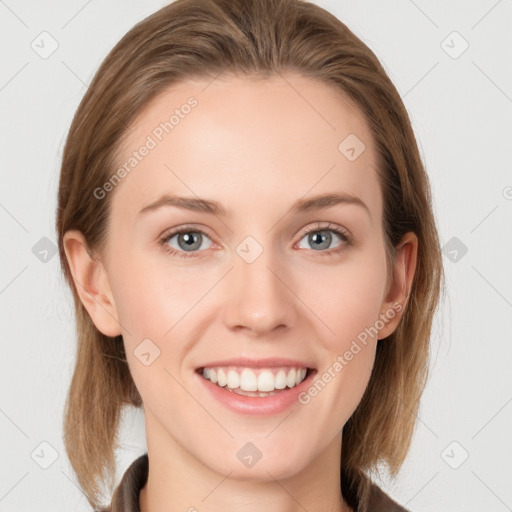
(126, 495)
(364, 495)
(378, 501)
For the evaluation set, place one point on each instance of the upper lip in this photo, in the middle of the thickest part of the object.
(269, 362)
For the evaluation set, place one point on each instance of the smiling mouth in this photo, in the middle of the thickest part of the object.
(256, 382)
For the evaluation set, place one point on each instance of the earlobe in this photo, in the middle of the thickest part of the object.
(399, 290)
(91, 282)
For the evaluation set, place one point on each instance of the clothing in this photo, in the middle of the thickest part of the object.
(126, 495)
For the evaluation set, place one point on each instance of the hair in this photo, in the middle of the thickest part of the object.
(200, 39)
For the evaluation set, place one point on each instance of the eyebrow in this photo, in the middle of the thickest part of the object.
(198, 204)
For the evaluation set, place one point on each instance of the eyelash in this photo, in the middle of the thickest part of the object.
(343, 234)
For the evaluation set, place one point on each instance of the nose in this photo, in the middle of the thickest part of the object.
(260, 296)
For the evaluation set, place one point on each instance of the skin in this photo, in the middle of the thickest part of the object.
(256, 146)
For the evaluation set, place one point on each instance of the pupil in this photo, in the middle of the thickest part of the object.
(189, 239)
(321, 236)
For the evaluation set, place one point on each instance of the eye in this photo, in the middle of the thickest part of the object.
(320, 237)
(188, 239)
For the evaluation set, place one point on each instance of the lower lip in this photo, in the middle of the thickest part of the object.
(262, 406)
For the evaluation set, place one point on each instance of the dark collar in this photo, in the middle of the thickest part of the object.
(126, 495)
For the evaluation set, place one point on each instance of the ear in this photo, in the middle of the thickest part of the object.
(91, 282)
(397, 295)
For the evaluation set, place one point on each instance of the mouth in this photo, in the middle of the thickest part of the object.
(258, 382)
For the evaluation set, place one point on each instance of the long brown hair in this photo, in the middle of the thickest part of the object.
(202, 38)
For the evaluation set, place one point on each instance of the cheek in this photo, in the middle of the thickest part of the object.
(150, 299)
(155, 303)
(350, 310)
(347, 299)
(148, 305)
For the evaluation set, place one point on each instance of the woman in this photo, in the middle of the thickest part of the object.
(218, 144)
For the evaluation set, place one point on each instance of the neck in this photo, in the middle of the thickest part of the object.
(179, 481)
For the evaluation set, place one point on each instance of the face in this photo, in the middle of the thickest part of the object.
(257, 283)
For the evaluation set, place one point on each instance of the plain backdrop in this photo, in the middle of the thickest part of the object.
(451, 62)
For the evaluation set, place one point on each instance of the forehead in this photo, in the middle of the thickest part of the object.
(248, 141)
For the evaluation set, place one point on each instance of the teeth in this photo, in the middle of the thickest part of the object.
(233, 379)
(280, 380)
(262, 380)
(249, 381)
(221, 378)
(266, 381)
(291, 378)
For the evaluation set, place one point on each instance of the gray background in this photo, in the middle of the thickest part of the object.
(460, 103)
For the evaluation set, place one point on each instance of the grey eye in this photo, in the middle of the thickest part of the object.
(187, 241)
(320, 239)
